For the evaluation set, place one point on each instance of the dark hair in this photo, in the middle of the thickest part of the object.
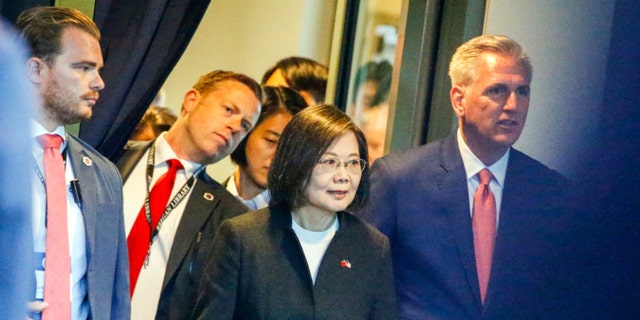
(158, 118)
(302, 74)
(42, 28)
(209, 82)
(378, 72)
(303, 142)
(275, 100)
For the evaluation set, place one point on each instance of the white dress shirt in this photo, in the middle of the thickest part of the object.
(75, 222)
(473, 165)
(144, 302)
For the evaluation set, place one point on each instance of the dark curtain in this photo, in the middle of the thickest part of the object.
(10, 9)
(142, 40)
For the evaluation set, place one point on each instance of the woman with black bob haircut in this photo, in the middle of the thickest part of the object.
(300, 152)
(304, 256)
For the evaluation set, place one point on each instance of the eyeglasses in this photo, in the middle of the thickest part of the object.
(353, 166)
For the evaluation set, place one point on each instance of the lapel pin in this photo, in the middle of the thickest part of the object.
(345, 264)
(87, 161)
(208, 196)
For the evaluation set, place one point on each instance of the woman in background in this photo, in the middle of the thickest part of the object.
(304, 256)
(254, 154)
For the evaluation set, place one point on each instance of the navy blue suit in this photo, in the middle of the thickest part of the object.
(419, 199)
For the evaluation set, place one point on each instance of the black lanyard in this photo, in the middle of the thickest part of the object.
(36, 169)
(173, 203)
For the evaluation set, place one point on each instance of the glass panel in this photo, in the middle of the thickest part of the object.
(370, 81)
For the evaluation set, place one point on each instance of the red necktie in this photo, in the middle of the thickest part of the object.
(139, 240)
(484, 229)
(57, 270)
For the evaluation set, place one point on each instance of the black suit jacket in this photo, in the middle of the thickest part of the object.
(420, 201)
(258, 271)
(194, 237)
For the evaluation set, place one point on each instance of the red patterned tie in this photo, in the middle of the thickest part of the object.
(139, 239)
(57, 292)
(484, 229)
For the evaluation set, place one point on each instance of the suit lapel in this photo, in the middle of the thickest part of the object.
(83, 170)
(456, 204)
(280, 222)
(200, 206)
(330, 273)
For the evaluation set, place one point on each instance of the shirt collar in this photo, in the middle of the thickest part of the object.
(164, 152)
(37, 130)
(473, 165)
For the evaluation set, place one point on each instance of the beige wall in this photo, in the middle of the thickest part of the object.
(249, 36)
(86, 6)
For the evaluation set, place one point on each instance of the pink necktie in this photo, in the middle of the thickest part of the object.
(57, 270)
(484, 229)
(139, 239)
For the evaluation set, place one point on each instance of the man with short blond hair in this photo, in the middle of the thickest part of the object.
(169, 245)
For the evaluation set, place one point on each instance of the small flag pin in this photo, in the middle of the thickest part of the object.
(345, 264)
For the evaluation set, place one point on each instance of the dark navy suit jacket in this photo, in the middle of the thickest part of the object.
(419, 199)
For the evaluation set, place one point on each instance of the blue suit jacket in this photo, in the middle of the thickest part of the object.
(420, 201)
(108, 262)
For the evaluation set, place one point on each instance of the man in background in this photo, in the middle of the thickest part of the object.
(172, 207)
(77, 193)
(478, 230)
